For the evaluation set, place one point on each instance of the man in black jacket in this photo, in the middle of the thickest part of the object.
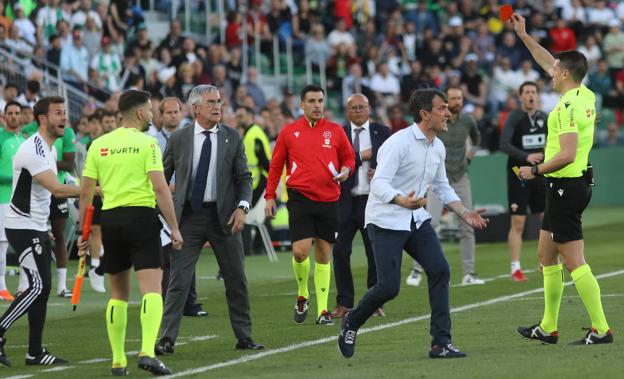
(366, 138)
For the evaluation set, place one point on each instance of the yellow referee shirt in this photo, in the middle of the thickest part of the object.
(575, 113)
(121, 161)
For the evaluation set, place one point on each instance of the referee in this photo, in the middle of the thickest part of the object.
(523, 139)
(313, 149)
(128, 165)
(568, 192)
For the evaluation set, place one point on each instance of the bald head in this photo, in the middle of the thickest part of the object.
(358, 109)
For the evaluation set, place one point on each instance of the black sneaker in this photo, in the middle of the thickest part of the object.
(45, 358)
(325, 319)
(164, 346)
(445, 351)
(120, 371)
(4, 360)
(592, 337)
(195, 311)
(153, 365)
(346, 338)
(301, 310)
(535, 332)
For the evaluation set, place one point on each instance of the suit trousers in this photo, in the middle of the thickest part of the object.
(348, 227)
(197, 228)
(467, 242)
(191, 299)
(423, 245)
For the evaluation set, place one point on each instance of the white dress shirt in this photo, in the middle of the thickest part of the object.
(211, 182)
(363, 186)
(407, 162)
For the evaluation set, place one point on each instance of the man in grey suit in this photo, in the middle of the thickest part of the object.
(212, 196)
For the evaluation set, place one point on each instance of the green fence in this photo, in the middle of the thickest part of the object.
(489, 184)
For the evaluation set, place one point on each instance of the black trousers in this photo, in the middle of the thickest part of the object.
(347, 229)
(35, 254)
(423, 245)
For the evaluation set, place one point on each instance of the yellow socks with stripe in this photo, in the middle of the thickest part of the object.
(302, 271)
(322, 277)
(116, 320)
(589, 291)
(553, 290)
(151, 316)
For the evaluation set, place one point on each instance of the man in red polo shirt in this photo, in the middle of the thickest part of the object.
(313, 150)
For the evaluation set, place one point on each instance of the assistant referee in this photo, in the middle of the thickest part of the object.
(568, 192)
(128, 165)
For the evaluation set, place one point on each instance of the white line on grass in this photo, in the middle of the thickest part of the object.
(289, 348)
(59, 368)
(569, 297)
(19, 376)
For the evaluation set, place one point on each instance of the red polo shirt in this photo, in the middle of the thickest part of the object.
(308, 151)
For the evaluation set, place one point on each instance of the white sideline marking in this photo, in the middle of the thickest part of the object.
(19, 376)
(570, 297)
(92, 361)
(59, 368)
(289, 348)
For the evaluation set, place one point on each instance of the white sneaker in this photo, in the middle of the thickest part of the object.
(414, 278)
(97, 281)
(470, 279)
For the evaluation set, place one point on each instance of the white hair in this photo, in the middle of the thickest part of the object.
(197, 94)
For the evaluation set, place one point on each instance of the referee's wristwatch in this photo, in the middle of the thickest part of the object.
(535, 170)
(244, 208)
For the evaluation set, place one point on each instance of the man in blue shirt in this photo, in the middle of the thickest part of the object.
(408, 163)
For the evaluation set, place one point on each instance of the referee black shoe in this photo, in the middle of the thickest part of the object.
(153, 365)
(593, 337)
(346, 338)
(120, 371)
(45, 358)
(536, 332)
(447, 350)
(325, 318)
(301, 310)
(4, 360)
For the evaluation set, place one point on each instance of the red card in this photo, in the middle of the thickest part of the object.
(505, 12)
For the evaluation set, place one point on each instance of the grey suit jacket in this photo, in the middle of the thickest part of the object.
(234, 181)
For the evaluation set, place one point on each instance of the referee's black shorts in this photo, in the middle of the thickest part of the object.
(311, 219)
(97, 210)
(131, 238)
(521, 197)
(566, 199)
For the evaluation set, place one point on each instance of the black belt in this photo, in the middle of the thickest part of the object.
(207, 204)
(564, 180)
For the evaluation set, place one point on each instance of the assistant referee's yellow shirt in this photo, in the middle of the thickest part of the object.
(121, 161)
(575, 113)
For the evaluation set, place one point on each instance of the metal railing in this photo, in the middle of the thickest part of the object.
(16, 68)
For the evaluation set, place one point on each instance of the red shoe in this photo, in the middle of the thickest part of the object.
(6, 295)
(518, 276)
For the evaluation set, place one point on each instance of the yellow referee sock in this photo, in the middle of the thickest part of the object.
(589, 291)
(553, 290)
(116, 320)
(322, 277)
(151, 315)
(302, 271)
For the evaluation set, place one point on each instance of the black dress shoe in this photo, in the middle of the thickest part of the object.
(195, 311)
(248, 344)
(163, 346)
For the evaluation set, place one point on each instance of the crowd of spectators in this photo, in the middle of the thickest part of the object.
(384, 49)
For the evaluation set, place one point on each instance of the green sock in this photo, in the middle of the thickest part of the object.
(302, 271)
(322, 277)
(151, 315)
(589, 291)
(116, 320)
(553, 290)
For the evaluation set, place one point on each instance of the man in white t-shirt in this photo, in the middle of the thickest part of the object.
(26, 225)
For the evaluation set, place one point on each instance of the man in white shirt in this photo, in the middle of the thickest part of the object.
(409, 162)
(26, 225)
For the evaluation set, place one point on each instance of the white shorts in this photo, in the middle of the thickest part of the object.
(3, 209)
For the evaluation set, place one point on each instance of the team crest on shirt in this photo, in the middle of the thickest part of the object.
(327, 138)
(540, 123)
(104, 151)
(296, 134)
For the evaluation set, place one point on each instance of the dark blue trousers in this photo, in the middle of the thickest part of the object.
(423, 245)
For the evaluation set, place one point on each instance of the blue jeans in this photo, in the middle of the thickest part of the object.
(423, 245)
